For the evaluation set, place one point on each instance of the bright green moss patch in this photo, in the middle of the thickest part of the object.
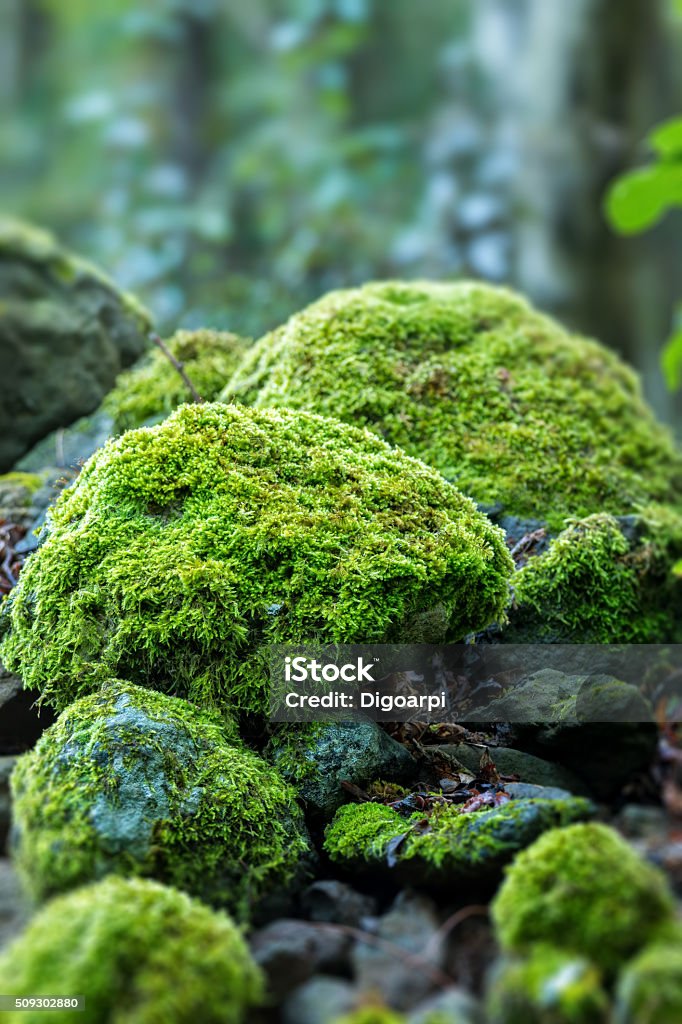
(448, 845)
(371, 1015)
(593, 585)
(649, 990)
(133, 782)
(584, 890)
(182, 549)
(138, 953)
(502, 400)
(153, 388)
(549, 986)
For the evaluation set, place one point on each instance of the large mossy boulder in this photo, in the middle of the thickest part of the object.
(66, 331)
(137, 953)
(183, 549)
(132, 782)
(519, 413)
(153, 388)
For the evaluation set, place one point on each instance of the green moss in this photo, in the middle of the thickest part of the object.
(371, 1015)
(153, 388)
(549, 986)
(594, 586)
(26, 482)
(469, 378)
(133, 782)
(649, 990)
(447, 845)
(184, 548)
(138, 953)
(584, 890)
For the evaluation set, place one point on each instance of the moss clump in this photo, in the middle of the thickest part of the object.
(649, 990)
(584, 890)
(138, 953)
(183, 548)
(448, 845)
(549, 986)
(469, 378)
(371, 1015)
(132, 782)
(153, 388)
(594, 585)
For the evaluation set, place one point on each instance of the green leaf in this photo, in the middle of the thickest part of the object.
(639, 199)
(671, 360)
(666, 138)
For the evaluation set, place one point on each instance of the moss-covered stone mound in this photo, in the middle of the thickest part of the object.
(649, 989)
(137, 953)
(133, 782)
(182, 549)
(471, 379)
(584, 890)
(153, 388)
(65, 333)
(448, 846)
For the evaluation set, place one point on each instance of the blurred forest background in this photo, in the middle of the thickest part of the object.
(230, 160)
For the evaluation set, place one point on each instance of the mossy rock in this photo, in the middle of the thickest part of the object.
(584, 890)
(549, 986)
(132, 782)
(66, 331)
(448, 846)
(184, 549)
(153, 388)
(137, 953)
(649, 990)
(318, 757)
(470, 378)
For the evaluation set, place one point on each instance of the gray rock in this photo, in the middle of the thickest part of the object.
(412, 926)
(318, 758)
(453, 1006)
(291, 951)
(337, 903)
(21, 723)
(65, 333)
(7, 763)
(527, 791)
(67, 448)
(13, 908)
(322, 1000)
(508, 761)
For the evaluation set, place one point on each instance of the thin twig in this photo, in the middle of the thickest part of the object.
(474, 910)
(180, 367)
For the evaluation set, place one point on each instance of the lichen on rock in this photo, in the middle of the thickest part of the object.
(184, 549)
(132, 782)
(507, 404)
(138, 953)
(582, 889)
(152, 388)
(447, 846)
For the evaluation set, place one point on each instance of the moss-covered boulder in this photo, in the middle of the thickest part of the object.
(65, 333)
(448, 846)
(153, 388)
(470, 378)
(318, 757)
(584, 890)
(549, 986)
(132, 782)
(184, 548)
(649, 990)
(137, 953)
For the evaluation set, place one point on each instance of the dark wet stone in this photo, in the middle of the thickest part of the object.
(290, 951)
(337, 903)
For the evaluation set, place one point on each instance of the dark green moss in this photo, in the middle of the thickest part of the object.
(132, 782)
(183, 549)
(469, 378)
(138, 953)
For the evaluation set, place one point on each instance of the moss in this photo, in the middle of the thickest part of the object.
(138, 953)
(593, 585)
(133, 782)
(153, 388)
(582, 889)
(469, 378)
(649, 990)
(28, 483)
(448, 845)
(549, 986)
(184, 548)
(371, 1015)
